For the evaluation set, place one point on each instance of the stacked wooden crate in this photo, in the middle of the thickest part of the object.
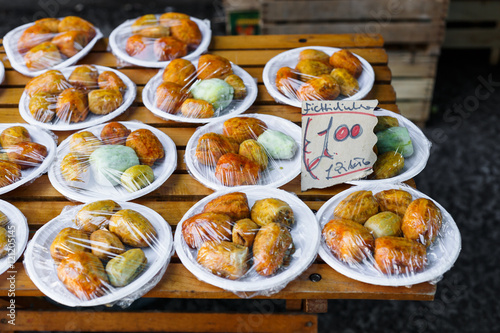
(474, 24)
(413, 31)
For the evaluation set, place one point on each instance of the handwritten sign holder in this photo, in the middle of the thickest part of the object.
(337, 142)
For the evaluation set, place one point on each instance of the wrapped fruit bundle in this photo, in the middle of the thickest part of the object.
(153, 40)
(319, 76)
(49, 43)
(100, 251)
(250, 239)
(120, 158)
(83, 94)
(19, 153)
(245, 151)
(199, 91)
(391, 235)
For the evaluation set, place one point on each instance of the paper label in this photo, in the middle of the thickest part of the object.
(337, 142)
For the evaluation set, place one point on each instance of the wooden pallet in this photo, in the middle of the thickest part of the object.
(413, 32)
(474, 24)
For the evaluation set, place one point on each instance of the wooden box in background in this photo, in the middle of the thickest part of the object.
(413, 31)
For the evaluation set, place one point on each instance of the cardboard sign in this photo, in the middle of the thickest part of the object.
(337, 142)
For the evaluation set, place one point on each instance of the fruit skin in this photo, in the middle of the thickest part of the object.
(244, 232)
(357, 206)
(96, 215)
(388, 165)
(384, 122)
(384, 224)
(234, 170)
(212, 146)
(225, 259)
(105, 244)
(347, 83)
(321, 88)
(125, 267)
(234, 204)
(395, 139)
(422, 221)
(132, 228)
(394, 200)
(68, 241)
(398, 255)
(270, 248)
(349, 241)
(205, 227)
(254, 151)
(272, 210)
(345, 59)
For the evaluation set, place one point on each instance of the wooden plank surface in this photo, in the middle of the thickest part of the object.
(92, 321)
(40, 202)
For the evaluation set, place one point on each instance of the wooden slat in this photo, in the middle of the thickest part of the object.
(239, 57)
(178, 282)
(142, 76)
(295, 40)
(384, 91)
(473, 11)
(92, 321)
(394, 33)
(40, 212)
(373, 10)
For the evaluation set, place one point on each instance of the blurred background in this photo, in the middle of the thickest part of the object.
(444, 59)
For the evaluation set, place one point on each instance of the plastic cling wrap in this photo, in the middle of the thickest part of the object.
(247, 150)
(104, 252)
(26, 152)
(317, 73)
(208, 89)
(155, 39)
(49, 43)
(14, 234)
(248, 240)
(402, 149)
(76, 97)
(388, 234)
(120, 160)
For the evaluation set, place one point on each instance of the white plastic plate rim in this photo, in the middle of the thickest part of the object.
(149, 92)
(206, 33)
(2, 71)
(290, 58)
(13, 54)
(451, 240)
(21, 233)
(164, 233)
(413, 164)
(276, 123)
(37, 135)
(168, 166)
(128, 99)
(265, 283)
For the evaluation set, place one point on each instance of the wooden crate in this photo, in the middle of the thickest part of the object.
(474, 24)
(413, 32)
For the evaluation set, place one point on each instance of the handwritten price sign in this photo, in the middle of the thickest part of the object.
(337, 142)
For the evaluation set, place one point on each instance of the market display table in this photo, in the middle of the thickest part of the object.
(306, 295)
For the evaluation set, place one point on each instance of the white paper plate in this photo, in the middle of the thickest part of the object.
(18, 225)
(278, 172)
(40, 136)
(413, 164)
(162, 170)
(290, 58)
(17, 60)
(42, 270)
(2, 71)
(92, 119)
(305, 234)
(118, 40)
(236, 107)
(441, 255)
